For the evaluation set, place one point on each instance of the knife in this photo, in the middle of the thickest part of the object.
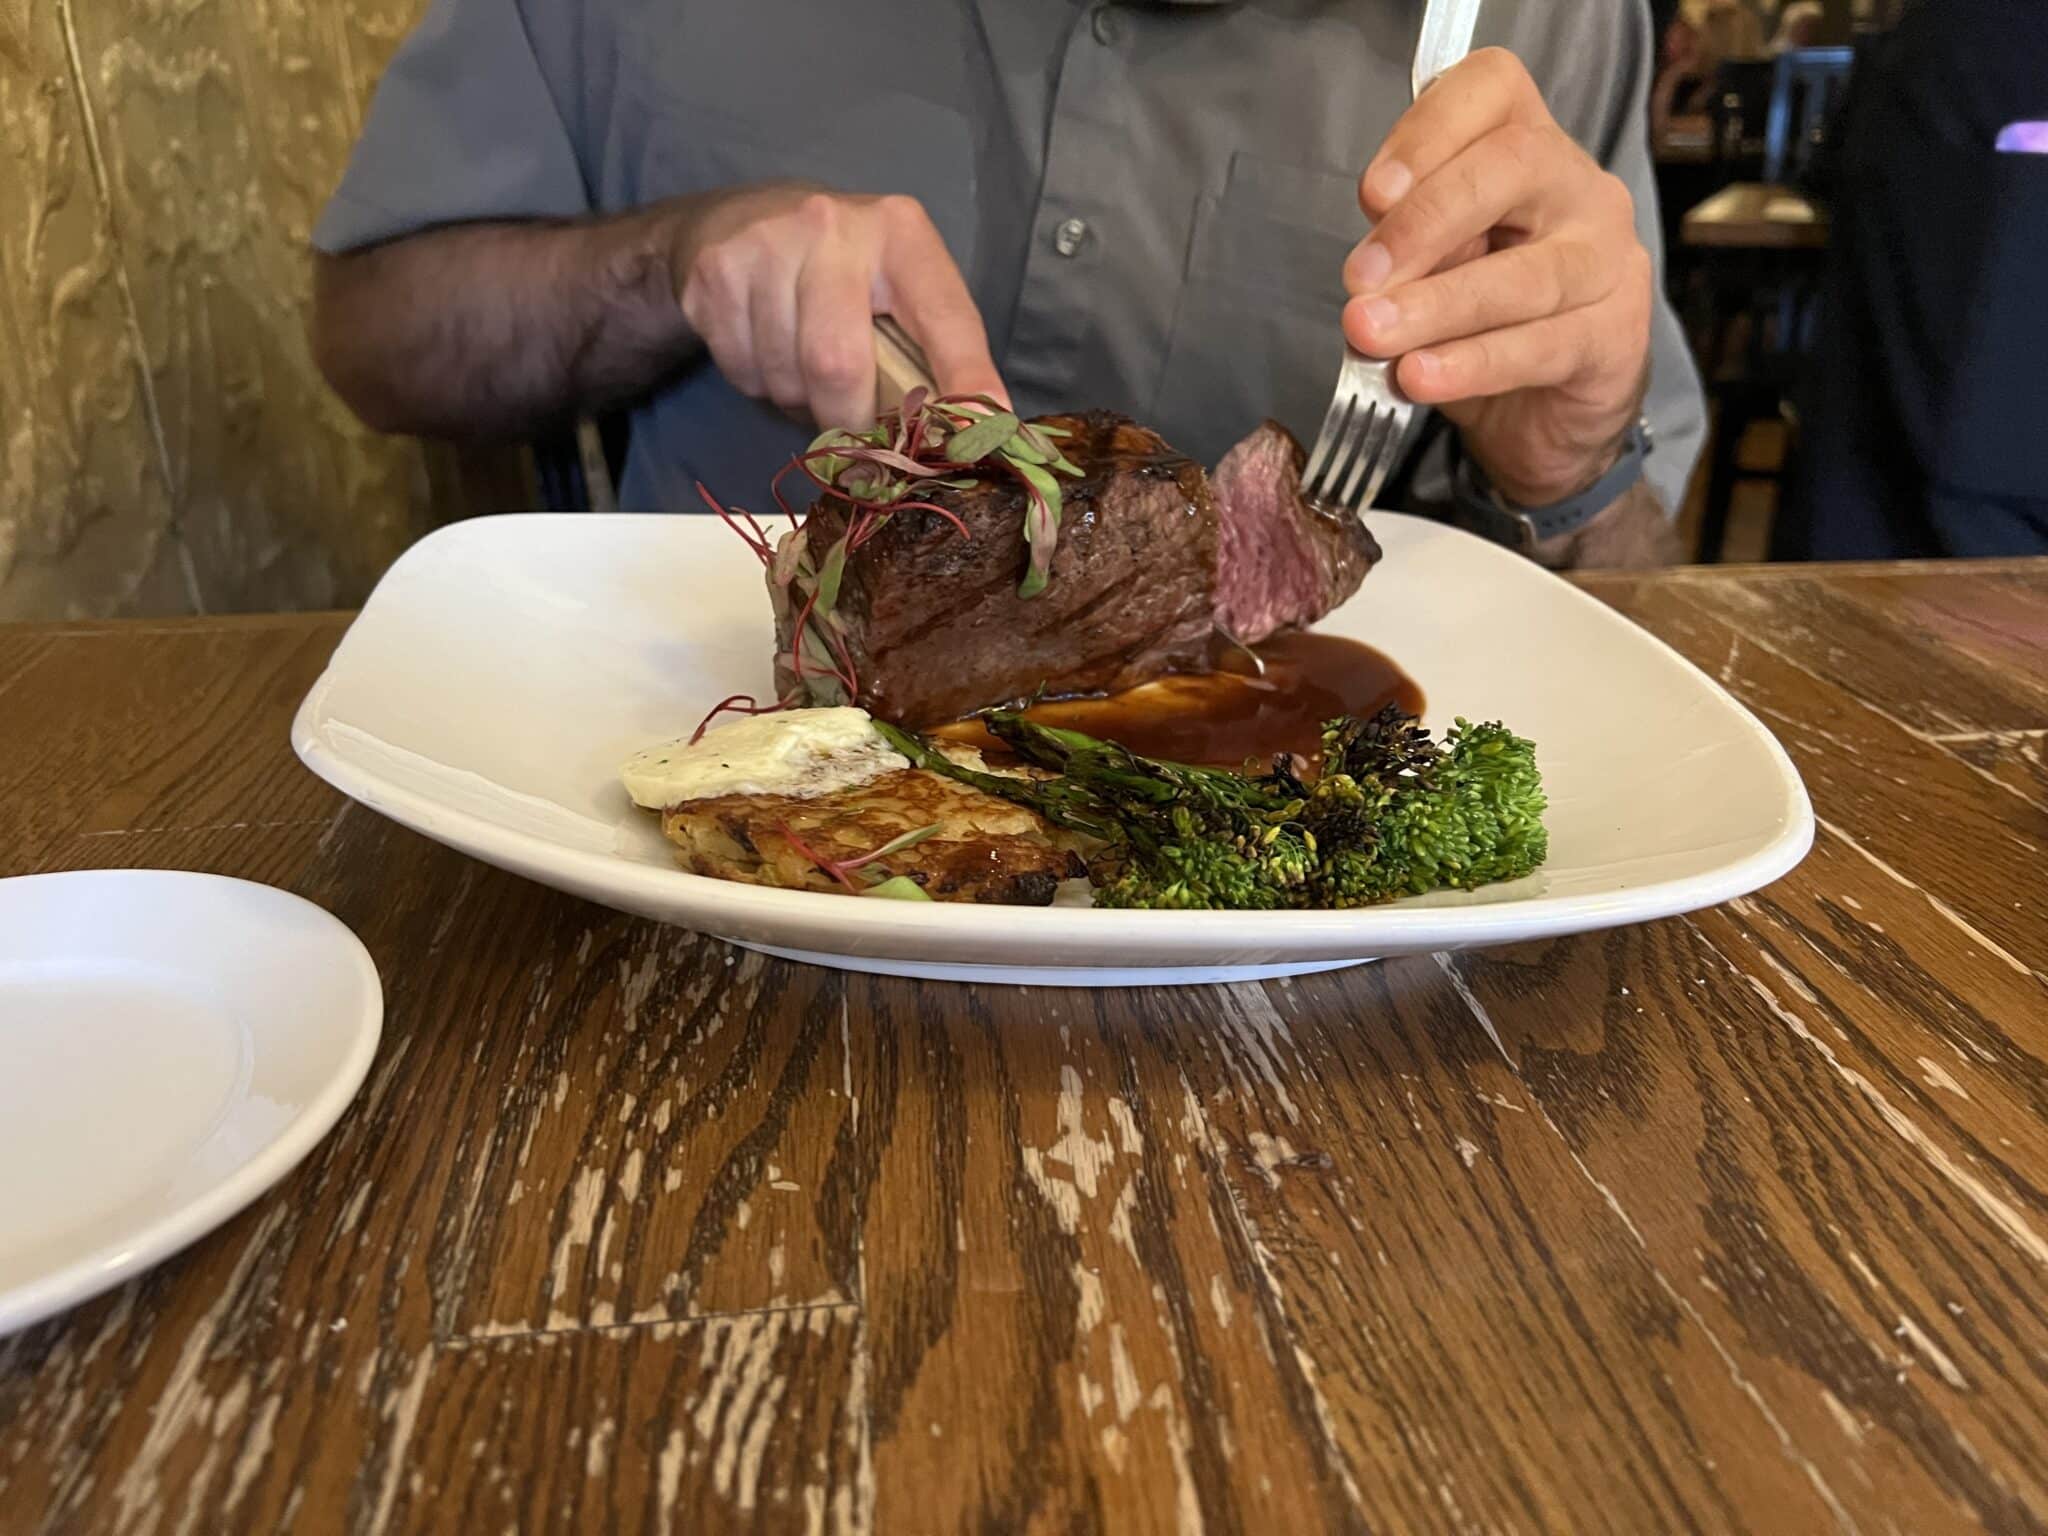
(900, 365)
(1446, 38)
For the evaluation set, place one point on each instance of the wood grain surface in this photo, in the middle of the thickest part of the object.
(1735, 1222)
(1756, 214)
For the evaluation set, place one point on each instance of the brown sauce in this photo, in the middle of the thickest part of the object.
(1231, 716)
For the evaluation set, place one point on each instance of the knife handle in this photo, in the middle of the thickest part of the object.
(900, 365)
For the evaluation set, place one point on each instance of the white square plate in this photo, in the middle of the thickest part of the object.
(506, 666)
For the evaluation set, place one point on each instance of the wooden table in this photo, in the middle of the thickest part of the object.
(1757, 215)
(1737, 1222)
(1687, 140)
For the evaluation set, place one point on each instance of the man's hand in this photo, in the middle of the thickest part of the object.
(1505, 274)
(783, 282)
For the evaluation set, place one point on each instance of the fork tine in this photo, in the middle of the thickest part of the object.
(1334, 421)
(1363, 432)
(1345, 454)
(1372, 443)
(1397, 418)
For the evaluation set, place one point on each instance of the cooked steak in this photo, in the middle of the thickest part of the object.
(1280, 562)
(1148, 566)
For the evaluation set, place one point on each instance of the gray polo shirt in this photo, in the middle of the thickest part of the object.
(1151, 202)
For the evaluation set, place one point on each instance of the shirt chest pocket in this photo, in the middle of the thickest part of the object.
(1256, 330)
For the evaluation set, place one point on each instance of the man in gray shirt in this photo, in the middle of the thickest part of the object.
(1167, 209)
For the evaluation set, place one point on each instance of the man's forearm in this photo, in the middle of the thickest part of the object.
(496, 330)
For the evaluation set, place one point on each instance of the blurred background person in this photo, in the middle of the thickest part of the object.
(1924, 411)
(1731, 30)
(1799, 26)
(1684, 86)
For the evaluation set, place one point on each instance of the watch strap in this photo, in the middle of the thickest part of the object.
(1486, 512)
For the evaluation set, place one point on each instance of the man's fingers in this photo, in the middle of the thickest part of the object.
(919, 284)
(771, 319)
(786, 305)
(1538, 354)
(715, 303)
(1480, 93)
(1524, 282)
(1471, 250)
(1505, 173)
(836, 335)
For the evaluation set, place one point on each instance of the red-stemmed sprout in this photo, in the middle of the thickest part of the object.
(948, 442)
(843, 870)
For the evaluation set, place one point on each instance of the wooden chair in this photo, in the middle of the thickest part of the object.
(1758, 244)
(1806, 86)
(578, 466)
(1740, 114)
(1738, 107)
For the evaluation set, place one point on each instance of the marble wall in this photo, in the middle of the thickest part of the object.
(166, 444)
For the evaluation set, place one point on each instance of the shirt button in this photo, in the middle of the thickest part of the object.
(1108, 26)
(1068, 237)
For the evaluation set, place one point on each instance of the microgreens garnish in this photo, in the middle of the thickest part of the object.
(931, 443)
(844, 870)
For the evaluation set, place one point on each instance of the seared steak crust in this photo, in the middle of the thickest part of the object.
(1149, 565)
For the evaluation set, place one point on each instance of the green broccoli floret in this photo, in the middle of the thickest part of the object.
(1491, 811)
(1236, 860)
(1397, 815)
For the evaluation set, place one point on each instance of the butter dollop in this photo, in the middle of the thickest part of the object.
(802, 753)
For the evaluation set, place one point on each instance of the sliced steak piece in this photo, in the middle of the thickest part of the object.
(1281, 563)
(934, 621)
(1150, 564)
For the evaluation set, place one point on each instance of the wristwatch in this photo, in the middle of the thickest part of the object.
(1487, 512)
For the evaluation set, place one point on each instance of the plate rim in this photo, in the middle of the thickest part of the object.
(163, 1236)
(1176, 935)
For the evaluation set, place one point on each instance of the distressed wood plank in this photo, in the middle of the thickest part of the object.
(184, 729)
(1903, 801)
(1493, 1348)
(1068, 1325)
(20, 650)
(750, 1423)
(1998, 619)
(1772, 1183)
(2016, 760)
(666, 1110)
(256, 1374)
(1883, 654)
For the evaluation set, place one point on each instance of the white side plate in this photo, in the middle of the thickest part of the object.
(172, 1045)
(506, 666)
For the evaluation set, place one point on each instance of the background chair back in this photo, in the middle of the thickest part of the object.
(1804, 86)
(1741, 106)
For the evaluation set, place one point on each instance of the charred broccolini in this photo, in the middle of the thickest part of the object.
(1392, 813)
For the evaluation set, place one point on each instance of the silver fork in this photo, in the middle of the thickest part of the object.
(1369, 417)
(1361, 437)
